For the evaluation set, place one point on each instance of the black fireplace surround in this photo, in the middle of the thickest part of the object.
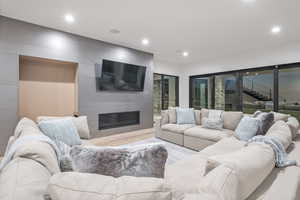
(114, 120)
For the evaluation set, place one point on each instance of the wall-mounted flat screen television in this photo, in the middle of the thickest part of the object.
(117, 76)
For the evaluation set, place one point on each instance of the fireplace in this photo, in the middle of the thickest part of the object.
(114, 120)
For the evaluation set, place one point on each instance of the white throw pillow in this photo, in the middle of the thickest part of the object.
(81, 124)
(247, 128)
(185, 115)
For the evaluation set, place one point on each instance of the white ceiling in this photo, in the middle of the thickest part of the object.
(206, 28)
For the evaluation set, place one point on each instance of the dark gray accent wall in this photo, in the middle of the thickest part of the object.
(20, 38)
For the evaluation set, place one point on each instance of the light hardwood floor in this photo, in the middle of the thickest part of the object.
(124, 138)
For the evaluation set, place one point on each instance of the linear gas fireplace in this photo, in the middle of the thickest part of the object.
(114, 120)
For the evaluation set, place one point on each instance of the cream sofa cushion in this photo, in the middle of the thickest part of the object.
(80, 123)
(224, 146)
(40, 152)
(177, 128)
(208, 134)
(185, 175)
(24, 122)
(281, 131)
(280, 116)
(293, 123)
(197, 117)
(252, 165)
(83, 186)
(23, 179)
(231, 119)
(172, 115)
(204, 114)
(164, 117)
(222, 182)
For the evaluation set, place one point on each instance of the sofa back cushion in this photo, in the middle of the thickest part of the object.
(197, 117)
(293, 123)
(232, 119)
(247, 128)
(172, 115)
(24, 123)
(252, 165)
(24, 179)
(164, 117)
(62, 130)
(204, 114)
(222, 182)
(185, 116)
(281, 131)
(79, 186)
(280, 116)
(81, 124)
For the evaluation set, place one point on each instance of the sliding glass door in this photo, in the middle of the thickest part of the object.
(165, 92)
(258, 90)
(273, 88)
(201, 92)
(289, 91)
(226, 92)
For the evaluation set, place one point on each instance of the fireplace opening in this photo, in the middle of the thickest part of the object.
(114, 120)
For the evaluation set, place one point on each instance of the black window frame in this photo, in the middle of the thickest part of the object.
(275, 69)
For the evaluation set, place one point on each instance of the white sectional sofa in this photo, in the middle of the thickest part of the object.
(225, 170)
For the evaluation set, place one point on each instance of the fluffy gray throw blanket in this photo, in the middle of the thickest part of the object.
(139, 160)
(278, 148)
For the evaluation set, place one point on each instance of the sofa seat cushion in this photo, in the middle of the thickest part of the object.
(177, 128)
(208, 134)
(82, 186)
(24, 179)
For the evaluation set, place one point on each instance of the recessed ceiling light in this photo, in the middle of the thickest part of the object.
(69, 18)
(145, 41)
(276, 29)
(248, 1)
(185, 54)
(114, 31)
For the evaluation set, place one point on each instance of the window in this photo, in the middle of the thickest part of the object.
(258, 91)
(289, 91)
(165, 92)
(270, 88)
(202, 92)
(226, 92)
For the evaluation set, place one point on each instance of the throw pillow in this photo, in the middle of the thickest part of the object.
(212, 123)
(61, 130)
(80, 123)
(267, 120)
(247, 128)
(139, 160)
(185, 116)
(172, 115)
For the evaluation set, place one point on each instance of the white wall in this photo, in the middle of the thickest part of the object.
(165, 67)
(288, 53)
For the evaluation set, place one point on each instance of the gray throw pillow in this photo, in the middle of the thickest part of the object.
(247, 128)
(266, 119)
(216, 124)
(139, 161)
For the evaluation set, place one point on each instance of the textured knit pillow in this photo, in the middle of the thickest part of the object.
(62, 130)
(139, 160)
(247, 128)
(185, 116)
(266, 119)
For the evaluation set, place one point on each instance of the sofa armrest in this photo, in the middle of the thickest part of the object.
(84, 186)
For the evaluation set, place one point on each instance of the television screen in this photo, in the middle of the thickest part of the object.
(116, 76)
